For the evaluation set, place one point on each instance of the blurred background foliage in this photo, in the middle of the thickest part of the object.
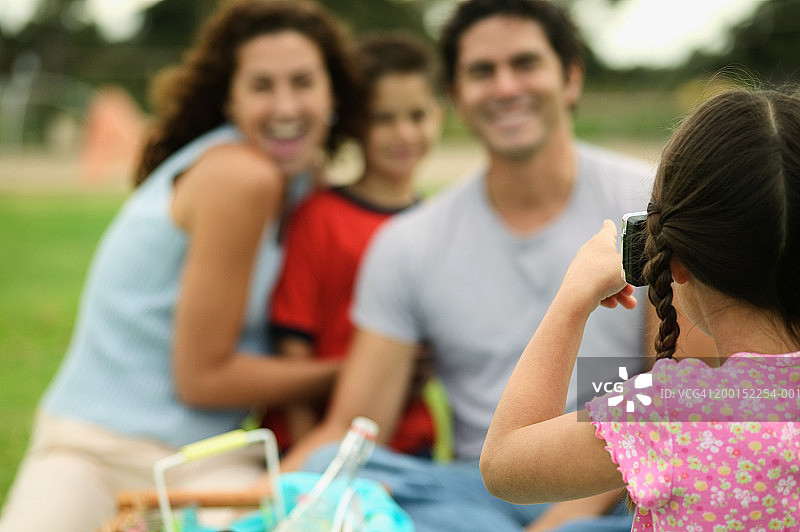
(69, 56)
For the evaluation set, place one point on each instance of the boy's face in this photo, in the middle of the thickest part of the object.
(510, 87)
(404, 124)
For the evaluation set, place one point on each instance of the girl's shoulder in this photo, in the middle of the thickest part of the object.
(737, 366)
(673, 373)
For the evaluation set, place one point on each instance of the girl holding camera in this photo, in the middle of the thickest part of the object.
(723, 236)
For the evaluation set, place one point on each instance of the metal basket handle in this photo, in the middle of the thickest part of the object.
(230, 441)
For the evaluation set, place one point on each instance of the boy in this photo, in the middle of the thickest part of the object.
(328, 234)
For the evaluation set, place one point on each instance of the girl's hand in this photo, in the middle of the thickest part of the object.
(595, 275)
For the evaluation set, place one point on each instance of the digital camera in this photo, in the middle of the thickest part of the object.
(634, 234)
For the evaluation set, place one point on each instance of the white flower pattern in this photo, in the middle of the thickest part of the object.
(706, 465)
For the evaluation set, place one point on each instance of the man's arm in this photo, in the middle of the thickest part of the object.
(301, 416)
(373, 383)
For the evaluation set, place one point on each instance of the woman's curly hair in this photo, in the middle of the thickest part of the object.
(189, 98)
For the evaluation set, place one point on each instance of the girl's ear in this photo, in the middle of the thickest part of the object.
(679, 272)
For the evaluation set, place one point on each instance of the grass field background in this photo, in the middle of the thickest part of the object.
(51, 219)
(46, 241)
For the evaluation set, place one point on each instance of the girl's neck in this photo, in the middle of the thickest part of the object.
(384, 193)
(738, 328)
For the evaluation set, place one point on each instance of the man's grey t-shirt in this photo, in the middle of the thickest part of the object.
(450, 273)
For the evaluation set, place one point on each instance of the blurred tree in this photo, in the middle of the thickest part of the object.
(379, 15)
(68, 44)
(766, 46)
(173, 22)
(42, 64)
(52, 33)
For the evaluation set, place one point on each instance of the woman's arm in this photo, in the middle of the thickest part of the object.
(225, 202)
(532, 452)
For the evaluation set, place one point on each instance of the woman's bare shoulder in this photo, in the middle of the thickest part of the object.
(226, 178)
(239, 165)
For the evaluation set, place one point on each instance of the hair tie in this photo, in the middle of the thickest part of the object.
(653, 219)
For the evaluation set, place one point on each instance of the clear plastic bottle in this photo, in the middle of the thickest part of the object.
(320, 509)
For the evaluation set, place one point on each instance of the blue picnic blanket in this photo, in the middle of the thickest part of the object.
(381, 512)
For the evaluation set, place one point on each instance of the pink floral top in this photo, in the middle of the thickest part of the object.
(704, 449)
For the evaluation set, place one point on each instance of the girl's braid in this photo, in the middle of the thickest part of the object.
(659, 278)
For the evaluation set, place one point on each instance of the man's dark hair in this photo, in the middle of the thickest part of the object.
(560, 30)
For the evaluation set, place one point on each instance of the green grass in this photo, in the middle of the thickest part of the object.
(46, 242)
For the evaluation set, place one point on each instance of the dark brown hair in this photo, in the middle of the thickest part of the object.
(396, 53)
(726, 202)
(561, 32)
(189, 98)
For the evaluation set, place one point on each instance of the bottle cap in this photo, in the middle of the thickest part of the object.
(366, 427)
